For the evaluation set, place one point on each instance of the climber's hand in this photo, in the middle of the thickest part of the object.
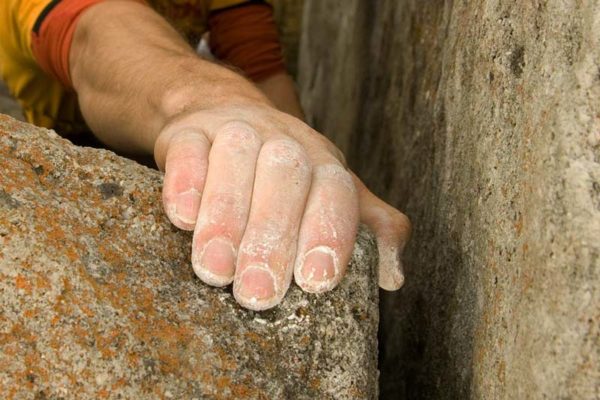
(268, 197)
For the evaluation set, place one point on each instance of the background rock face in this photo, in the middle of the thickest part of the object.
(482, 120)
(288, 16)
(98, 298)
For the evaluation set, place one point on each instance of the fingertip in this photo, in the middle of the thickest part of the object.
(391, 281)
(256, 288)
(255, 304)
(391, 270)
(318, 270)
(182, 209)
(214, 264)
(211, 278)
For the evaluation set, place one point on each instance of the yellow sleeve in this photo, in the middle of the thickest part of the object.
(39, 95)
(17, 18)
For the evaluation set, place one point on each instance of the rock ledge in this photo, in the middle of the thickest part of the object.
(98, 300)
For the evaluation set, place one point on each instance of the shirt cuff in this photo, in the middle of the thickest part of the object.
(247, 38)
(52, 36)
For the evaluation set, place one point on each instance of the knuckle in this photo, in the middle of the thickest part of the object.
(238, 132)
(187, 147)
(403, 222)
(337, 173)
(286, 153)
(224, 200)
(186, 137)
(323, 142)
(339, 155)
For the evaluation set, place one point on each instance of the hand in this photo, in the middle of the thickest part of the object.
(268, 197)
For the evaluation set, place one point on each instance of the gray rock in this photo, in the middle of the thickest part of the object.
(98, 299)
(481, 119)
(288, 16)
(8, 105)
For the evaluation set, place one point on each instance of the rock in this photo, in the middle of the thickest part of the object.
(8, 105)
(98, 298)
(481, 120)
(288, 16)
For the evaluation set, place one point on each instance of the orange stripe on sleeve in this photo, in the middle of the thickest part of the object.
(247, 37)
(53, 34)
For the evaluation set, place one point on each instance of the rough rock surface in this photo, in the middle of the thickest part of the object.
(481, 119)
(8, 105)
(288, 16)
(98, 300)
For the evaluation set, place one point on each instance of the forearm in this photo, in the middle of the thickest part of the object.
(133, 73)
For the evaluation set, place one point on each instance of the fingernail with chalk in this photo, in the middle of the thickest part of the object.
(319, 270)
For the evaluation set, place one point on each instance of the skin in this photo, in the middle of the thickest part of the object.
(268, 198)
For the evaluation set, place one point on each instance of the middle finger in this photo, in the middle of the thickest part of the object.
(267, 252)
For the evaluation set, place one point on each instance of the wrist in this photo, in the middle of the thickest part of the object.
(203, 86)
(134, 75)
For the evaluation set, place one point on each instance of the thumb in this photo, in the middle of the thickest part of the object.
(392, 230)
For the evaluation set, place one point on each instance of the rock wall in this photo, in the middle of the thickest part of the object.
(482, 121)
(288, 15)
(98, 298)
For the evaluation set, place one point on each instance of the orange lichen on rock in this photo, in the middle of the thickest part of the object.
(21, 282)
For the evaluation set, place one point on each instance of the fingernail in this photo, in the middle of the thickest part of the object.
(186, 205)
(256, 285)
(216, 263)
(319, 270)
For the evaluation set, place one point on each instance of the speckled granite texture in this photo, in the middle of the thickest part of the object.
(98, 299)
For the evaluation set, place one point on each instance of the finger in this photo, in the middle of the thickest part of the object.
(265, 261)
(328, 229)
(225, 203)
(186, 165)
(392, 230)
